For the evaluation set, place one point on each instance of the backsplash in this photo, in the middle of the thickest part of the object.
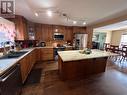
(7, 31)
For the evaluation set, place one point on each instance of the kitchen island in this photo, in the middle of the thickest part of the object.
(75, 65)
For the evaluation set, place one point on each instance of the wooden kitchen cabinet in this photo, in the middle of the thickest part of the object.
(24, 68)
(38, 54)
(46, 54)
(68, 48)
(21, 27)
(69, 34)
(81, 68)
(27, 64)
(77, 29)
(47, 32)
(38, 32)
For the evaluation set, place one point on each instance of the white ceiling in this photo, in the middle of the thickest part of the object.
(89, 10)
(116, 26)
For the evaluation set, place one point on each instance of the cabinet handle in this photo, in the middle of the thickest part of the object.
(4, 79)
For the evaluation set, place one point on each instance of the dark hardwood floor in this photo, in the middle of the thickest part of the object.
(112, 82)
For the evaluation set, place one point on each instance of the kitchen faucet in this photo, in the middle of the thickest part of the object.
(4, 44)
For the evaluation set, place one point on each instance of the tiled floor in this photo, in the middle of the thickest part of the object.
(112, 82)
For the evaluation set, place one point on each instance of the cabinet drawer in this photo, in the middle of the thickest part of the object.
(68, 48)
(47, 57)
(47, 50)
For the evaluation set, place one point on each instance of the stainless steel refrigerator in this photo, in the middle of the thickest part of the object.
(80, 41)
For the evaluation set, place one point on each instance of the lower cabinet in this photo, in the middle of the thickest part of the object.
(46, 54)
(39, 54)
(68, 48)
(26, 64)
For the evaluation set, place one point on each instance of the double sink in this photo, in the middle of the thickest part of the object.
(14, 54)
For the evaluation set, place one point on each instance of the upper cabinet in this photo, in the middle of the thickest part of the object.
(77, 29)
(21, 27)
(67, 31)
(38, 31)
(26, 30)
(69, 34)
(47, 32)
(31, 30)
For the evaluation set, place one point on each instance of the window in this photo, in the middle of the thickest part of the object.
(123, 40)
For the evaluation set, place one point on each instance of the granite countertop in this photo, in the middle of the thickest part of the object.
(75, 55)
(6, 64)
(45, 47)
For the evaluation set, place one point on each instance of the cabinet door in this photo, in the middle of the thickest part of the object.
(99, 65)
(27, 64)
(47, 32)
(38, 55)
(69, 34)
(24, 68)
(79, 29)
(29, 61)
(47, 54)
(32, 57)
(68, 48)
(21, 28)
(25, 32)
(38, 33)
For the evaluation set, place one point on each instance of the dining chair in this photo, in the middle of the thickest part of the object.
(106, 46)
(114, 49)
(123, 54)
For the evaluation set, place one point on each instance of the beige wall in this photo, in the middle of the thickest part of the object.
(108, 36)
(91, 27)
(116, 36)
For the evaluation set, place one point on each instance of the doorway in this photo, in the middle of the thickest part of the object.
(98, 40)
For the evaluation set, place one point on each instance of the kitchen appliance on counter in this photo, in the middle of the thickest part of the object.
(41, 44)
(80, 41)
(58, 36)
(10, 81)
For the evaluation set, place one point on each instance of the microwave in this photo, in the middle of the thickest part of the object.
(58, 36)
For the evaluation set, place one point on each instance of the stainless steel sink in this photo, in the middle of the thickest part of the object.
(13, 54)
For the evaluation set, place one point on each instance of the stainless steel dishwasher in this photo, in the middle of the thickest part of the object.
(10, 81)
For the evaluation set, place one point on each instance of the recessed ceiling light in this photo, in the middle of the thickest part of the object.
(74, 22)
(84, 23)
(56, 30)
(36, 14)
(49, 13)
